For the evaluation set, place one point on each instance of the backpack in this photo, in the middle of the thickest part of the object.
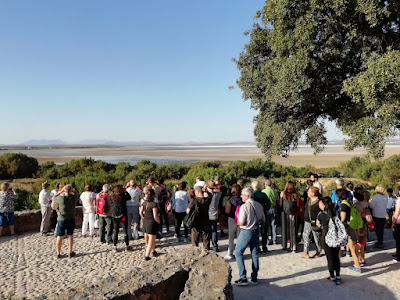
(163, 194)
(101, 204)
(117, 208)
(336, 235)
(356, 221)
(237, 213)
(190, 219)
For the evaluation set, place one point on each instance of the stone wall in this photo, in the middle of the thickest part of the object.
(29, 220)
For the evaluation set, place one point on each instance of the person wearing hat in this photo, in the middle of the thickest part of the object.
(45, 208)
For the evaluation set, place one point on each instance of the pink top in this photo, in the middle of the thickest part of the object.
(397, 205)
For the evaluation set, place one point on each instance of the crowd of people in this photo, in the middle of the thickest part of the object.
(337, 223)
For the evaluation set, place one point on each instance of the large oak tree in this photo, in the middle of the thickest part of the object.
(312, 60)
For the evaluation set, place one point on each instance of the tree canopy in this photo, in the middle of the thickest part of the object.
(314, 60)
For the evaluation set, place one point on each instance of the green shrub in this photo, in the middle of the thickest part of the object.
(17, 165)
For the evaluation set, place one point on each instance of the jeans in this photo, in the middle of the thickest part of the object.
(45, 225)
(214, 233)
(163, 218)
(379, 229)
(133, 216)
(247, 238)
(233, 232)
(271, 220)
(116, 223)
(179, 216)
(88, 218)
(103, 221)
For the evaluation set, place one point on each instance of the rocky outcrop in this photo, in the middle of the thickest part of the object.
(188, 273)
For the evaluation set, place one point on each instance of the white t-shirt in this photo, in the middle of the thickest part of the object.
(88, 202)
(44, 198)
(200, 184)
(318, 185)
(181, 201)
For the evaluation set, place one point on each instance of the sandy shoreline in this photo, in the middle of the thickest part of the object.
(332, 156)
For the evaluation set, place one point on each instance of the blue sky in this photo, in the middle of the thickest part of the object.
(124, 70)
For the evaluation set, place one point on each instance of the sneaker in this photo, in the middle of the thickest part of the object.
(72, 254)
(362, 263)
(128, 248)
(229, 256)
(115, 250)
(241, 281)
(58, 256)
(338, 281)
(348, 254)
(264, 251)
(353, 268)
(186, 240)
(332, 280)
(253, 281)
(177, 240)
(270, 242)
(155, 254)
(317, 254)
(147, 258)
(395, 259)
(216, 249)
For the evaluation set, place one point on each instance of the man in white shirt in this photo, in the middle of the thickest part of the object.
(132, 207)
(314, 178)
(250, 214)
(199, 182)
(45, 208)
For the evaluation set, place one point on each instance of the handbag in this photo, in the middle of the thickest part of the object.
(314, 226)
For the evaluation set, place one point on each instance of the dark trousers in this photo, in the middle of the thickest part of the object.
(332, 256)
(379, 229)
(204, 233)
(179, 216)
(397, 238)
(116, 222)
(53, 219)
(264, 236)
(103, 221)
(214, 235)
(163, 218)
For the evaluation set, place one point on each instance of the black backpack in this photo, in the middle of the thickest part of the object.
(190, 219)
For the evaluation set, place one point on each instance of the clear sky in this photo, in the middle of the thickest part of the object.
(124, 70)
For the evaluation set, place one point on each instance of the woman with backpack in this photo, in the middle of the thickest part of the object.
(233, 229)
(311, 211)
(330, 224)
(119, 215)
(345, 216)
(290, 199)
(149, 213)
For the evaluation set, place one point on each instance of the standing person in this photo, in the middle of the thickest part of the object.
(263, 199)
(350, 187)
(103, 210)
(396, 228)
(215, 193)
(272, 212)
(165, 195)
(199, 182)
(311, 211)
(221, 207)
(45, 208)
(180, 205)
(65, 202)
(316, 183)
(149, 213)
(53, 218)
(390, 206)
(7, 198)
(378, 204)
(290, 200)
(340, 185)
(250, 214)
(132, 207)
(327, 214)
(345, 214)
(119, 215)
(300, 223)
(88, 201)
(233, 229)
(201, 226)
(362, 233)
